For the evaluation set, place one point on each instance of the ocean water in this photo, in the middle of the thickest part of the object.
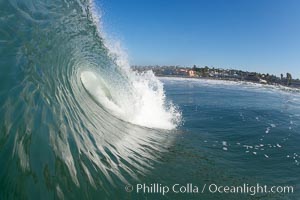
(77, 123)
(233, 134)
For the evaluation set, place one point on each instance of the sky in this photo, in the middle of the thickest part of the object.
(253, 35)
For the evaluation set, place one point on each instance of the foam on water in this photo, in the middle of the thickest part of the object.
(241, 84)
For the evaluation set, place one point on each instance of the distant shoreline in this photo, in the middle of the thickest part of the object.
(221, 74)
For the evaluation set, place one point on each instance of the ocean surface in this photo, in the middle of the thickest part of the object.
(77, 123)
(233, 134)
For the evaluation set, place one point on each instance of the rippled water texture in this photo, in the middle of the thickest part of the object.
(60, 136)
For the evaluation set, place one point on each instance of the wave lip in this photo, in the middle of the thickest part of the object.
(144, 105)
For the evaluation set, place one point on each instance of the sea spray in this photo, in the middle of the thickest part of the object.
(144, 102)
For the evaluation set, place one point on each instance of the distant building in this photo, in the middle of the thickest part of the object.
(262, 81)
(192, 73)
(252, 77)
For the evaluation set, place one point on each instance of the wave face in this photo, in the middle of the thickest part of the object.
(76, 122)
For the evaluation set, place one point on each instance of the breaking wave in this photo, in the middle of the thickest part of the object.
(73, 114)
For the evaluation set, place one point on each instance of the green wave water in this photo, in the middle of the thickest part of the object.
(75, 122)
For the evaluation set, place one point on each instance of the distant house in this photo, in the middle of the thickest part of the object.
(262, 81)
(252, 77)
(182, 72)
(296, 83)
(192, 73)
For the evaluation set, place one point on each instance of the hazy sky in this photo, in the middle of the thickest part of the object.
(253, 35)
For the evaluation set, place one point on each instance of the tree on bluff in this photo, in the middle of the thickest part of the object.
(288, 79)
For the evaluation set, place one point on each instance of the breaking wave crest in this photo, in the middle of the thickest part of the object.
(73, 114)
